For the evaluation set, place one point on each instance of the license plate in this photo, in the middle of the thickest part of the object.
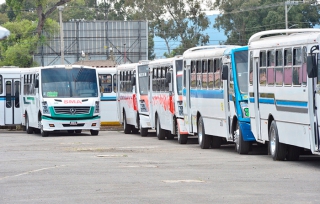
(73, 123)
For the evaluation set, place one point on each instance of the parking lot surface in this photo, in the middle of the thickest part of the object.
(117, 168)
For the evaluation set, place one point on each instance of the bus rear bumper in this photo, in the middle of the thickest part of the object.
(88, 124)
(246, 132)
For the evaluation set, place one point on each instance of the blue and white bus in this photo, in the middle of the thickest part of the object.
(216, 109)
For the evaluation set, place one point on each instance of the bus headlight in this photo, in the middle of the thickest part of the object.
(96, 107)
(143, 107)
(245, 109)
(45, 109)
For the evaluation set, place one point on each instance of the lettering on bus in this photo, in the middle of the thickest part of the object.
(70, 101)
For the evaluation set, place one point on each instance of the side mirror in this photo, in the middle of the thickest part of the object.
(36, 83)
(133, 81)
(312, 66)
(168, 77)
(225, 69)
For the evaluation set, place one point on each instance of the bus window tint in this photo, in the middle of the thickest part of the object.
(143, 74)
(179, 65)
(241, 62)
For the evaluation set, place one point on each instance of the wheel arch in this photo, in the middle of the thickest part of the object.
(270, 119)
(234, 125)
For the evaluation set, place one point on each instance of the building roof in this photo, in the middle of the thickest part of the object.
(96, 63)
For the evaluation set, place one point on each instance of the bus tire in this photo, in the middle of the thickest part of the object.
(241, 146)
(182, 138)
(44, 133)
(94, 132)
(143, 131)
(277, 150)
(70, 131)
(169, 135)
(203, 139)
(126, 127)
(78, 131)
(28, 128)
(293, 153)
(160, 132)
(216, 142)
(134, 130)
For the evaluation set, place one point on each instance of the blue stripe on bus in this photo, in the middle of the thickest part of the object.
(108, 98)
(217, 94)
(281, 102)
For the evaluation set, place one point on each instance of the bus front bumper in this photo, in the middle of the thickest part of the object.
(87, 124)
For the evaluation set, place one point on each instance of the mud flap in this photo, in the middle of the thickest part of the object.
(181, 127)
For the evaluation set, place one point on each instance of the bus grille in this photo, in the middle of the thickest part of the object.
(72, 110)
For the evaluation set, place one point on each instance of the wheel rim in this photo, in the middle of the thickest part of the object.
(236, 137)
(158, 127)
(27, 123)
(273, 141)
(200, 133)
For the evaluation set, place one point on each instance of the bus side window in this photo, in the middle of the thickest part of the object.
(193, 75)
(199, 77)
(297, 67)
(217, 81)
(115, 82)
(210, 74)
(288, 67)
(270, 67)
(159, 79)
(251, 69)
(304, 67)
(279, 68)
(1, 85)
(204, 74)
(262, 68)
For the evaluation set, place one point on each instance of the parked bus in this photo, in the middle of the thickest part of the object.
(10, 113)
(64, 97)
(166, 97)
(133, 98)
(213, 108)
(283, 97)
(108, 100)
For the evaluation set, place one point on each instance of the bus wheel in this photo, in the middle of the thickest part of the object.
(241, 146)
(293, 153)
(78, 131)
(182, 139)
(160, 132)
(278, 150)
(216, 142)
(126, 127)
(94, 132)
(204, 140)
(143, 131)
(28, 128)
(169, 135)
(44, 133)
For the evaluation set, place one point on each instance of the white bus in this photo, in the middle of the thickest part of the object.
(283, 97)
(166, 97)
(133, 97)
(213, 107)
(108, 100)
(63, 97)
(10, 113)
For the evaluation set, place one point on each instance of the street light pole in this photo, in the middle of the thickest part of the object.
(60, 8)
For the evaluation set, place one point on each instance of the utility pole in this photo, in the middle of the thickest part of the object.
(290, 4)
(60, 8)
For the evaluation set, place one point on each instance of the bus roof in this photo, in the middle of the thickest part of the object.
(206, 51)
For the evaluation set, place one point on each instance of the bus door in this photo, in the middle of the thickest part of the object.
(256, 93)
(187, 102)
(227, 92)
(12, 114)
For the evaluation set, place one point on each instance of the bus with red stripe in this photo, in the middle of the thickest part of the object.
(166, 96)
(133, 97)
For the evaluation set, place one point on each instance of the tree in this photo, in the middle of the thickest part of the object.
(176, 20)
(43, 7)
(240, 19)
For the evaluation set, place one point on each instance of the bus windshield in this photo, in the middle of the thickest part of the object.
(66, 83)
(179, 83)
(241, 63)
(143, 73)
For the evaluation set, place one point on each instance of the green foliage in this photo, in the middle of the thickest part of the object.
(18, 48)
(240, 19)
